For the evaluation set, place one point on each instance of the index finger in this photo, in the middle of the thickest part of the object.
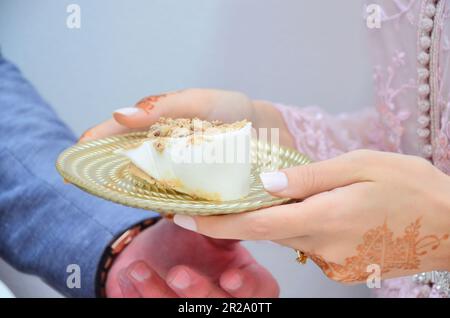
(105, 129)
(180, 104)
(275, 223)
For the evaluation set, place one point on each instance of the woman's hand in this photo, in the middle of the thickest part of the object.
(199, 267)
(360, 212)
(205, 104)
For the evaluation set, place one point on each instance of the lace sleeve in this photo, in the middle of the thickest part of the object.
(321, 135)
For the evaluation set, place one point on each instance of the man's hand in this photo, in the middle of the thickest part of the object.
(167, 261)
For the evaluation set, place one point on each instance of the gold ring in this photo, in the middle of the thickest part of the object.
(301, 257)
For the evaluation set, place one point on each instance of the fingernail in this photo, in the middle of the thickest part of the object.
(234, 282)
(181, 280)
(126, 286)
(185, 222)
(140, 272)
(274, 181)
(127, 111)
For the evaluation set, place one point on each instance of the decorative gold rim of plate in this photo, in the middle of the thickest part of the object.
(95, 168)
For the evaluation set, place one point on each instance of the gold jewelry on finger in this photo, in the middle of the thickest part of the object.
(301, 257)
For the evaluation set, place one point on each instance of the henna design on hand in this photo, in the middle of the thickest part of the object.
(87, 134)
(148, 103)
(380, 247)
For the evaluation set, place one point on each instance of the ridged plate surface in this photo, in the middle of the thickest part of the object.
(94, 167)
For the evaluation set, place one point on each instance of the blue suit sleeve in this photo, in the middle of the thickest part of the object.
(46, 225)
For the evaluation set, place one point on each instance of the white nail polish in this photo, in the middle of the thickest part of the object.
(185, 222)
(274, 181)
(127, 111)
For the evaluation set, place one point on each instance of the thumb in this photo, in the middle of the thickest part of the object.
(301, 182)
(180, 104)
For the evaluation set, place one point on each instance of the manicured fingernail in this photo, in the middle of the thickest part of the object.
(140, 272)
(185, 222)
(274, 181)
(181, 280)
(234, 282)
(127, 111)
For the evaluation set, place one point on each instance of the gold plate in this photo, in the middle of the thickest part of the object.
(95, 168)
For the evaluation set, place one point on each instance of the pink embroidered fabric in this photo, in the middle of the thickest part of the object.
(411, 112)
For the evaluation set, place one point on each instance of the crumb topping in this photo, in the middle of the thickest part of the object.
(194, 128)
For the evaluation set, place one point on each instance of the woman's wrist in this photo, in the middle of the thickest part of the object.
(441, 207)
(267, 116)
(446, 196)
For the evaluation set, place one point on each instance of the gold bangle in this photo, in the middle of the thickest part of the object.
(113, 250)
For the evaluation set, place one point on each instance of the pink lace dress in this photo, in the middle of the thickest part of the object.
(411, 113)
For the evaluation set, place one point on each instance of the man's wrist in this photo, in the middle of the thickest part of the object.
(114, 250)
